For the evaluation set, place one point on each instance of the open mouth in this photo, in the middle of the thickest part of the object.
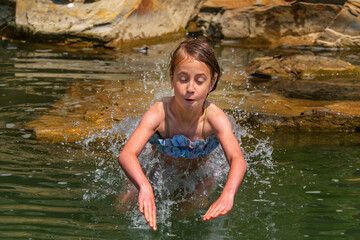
(189, 100)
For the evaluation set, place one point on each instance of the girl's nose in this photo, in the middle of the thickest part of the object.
(190, 86)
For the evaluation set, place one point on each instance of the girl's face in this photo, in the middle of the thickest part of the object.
(192, 82)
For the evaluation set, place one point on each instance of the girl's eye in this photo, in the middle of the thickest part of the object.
(183, 79)
(200, 79)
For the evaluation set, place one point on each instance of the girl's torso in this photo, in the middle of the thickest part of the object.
(179, 145)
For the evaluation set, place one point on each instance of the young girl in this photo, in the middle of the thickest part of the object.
(186, 128)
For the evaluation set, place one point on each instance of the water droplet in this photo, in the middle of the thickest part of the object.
(6, 174)
(313, 192)
(10, 125)
(26, 135)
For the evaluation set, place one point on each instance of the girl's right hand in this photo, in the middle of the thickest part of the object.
(147, 205)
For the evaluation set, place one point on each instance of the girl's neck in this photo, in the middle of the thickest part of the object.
(184, 116)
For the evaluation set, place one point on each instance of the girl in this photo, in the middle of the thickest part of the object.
(186, 126)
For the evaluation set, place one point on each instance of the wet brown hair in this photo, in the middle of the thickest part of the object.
(199, 49)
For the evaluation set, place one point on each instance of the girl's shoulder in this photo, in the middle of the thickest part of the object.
(157, 110)
(215, 116)
(155, 115)
(213, 111)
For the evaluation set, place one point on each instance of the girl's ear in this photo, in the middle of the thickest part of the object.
(172, 80)
(212, 83)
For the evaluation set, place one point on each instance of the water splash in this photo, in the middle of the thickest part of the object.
(178, 193)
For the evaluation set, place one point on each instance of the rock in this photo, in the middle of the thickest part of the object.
(7, 16)
(232, 4)
(272, 24)
(119, 24)
(270, 113)
(301, 67)
(114, 22)
(322, 120)
(93, 109)
(87, 112)
(344, 29)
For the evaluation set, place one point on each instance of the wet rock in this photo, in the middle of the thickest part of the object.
(271, 23)
(270, 113)
(344, 29)
(316, 120)
(95, 107)
(118, 23)
(87, 111)
(84, 113)
(301, 67)
(7, 16)
(327, 89)
(115, 22)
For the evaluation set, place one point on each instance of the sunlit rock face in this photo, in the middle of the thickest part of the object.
(114, 22)
(305, 93)
(119, 23)
(268, 23)
(345, 28)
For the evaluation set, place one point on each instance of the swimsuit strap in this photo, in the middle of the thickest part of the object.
(203, 128)
(166, 120)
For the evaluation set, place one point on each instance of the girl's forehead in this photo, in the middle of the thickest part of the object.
(190, 62)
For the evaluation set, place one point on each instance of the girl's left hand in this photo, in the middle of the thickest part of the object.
(220, 207)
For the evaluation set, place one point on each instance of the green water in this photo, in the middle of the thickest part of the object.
(298, 186)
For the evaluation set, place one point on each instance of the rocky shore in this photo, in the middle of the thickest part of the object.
(293, 92)
(121, 24)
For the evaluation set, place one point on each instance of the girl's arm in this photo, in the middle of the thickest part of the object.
(230, 145)
(130, 164)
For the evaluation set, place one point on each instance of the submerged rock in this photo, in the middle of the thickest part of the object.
(87, 112)
(301, 67)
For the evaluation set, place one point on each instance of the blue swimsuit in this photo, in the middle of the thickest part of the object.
(181, 146)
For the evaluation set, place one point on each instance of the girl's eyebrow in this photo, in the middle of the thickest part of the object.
(199, 74)
(179, 73)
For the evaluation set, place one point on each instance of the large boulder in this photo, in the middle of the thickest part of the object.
(114, 22)
(118, 23)
(273, 23)
(344, 29)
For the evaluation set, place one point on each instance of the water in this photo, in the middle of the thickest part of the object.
(297, 185)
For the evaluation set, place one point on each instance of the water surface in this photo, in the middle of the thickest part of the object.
(297, 185)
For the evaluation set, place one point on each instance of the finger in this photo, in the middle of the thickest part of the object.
(141, 207)
(154, 214)
(207, 216)
(225, 211)
(216, 213)
(147, 213)
(151, 219)
(211, 208)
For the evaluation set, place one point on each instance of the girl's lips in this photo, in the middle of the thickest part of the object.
(189, 100)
